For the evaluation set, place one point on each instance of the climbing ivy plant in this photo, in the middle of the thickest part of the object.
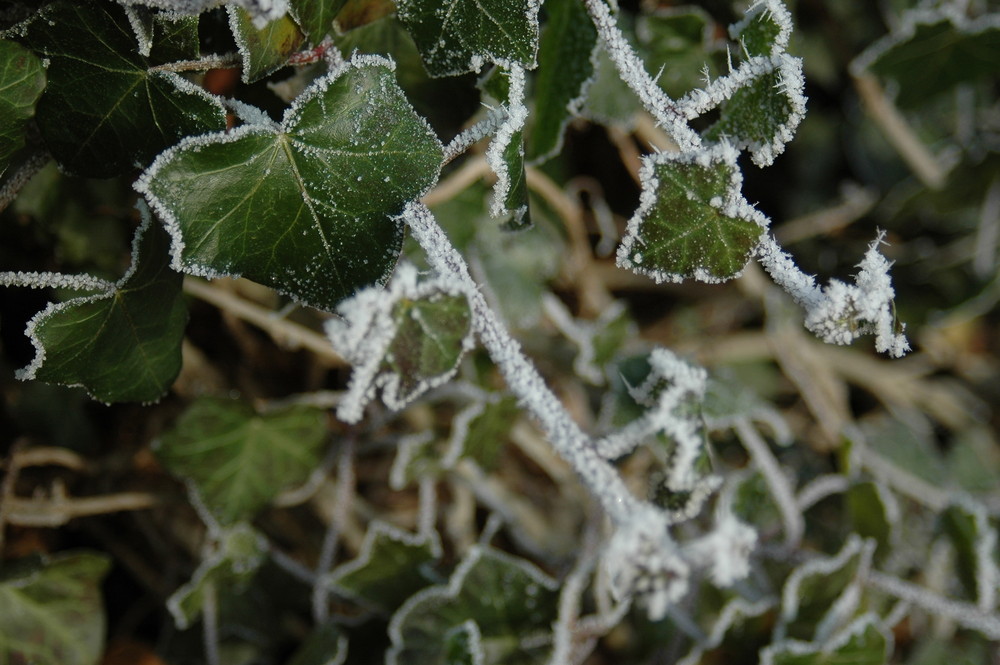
(388, 185)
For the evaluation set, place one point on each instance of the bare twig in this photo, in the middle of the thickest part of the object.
(8, 486)
(472, 170)
(346, 487)
(59, 509)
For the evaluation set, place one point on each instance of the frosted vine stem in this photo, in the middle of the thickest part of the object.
(632, 70)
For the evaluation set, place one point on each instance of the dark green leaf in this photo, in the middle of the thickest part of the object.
(237, 553)
(123, 345)
(305, 207)
(928, 56)
(392, 566)
(174, 38)
(263, 50)
(22, 79)
(239, 460)
(692, 220)
(872, 518)
(104, 109)
(975, 541)
(764, 30)
(565, 69)
(458, 36)
(511, 603)
(316, 17)
(488, 430)
(52, 610)
(326, 645)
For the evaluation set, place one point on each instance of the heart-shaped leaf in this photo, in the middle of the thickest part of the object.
(305, 206)
(22, 79)
(263, 50)
(315, 17)
(692, 220)
(122, 345)
(238, 460)
(458, 36)
(105, 109)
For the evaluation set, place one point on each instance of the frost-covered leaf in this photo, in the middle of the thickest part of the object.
(52, 609)
(740, 623)
(164, 36)
(403, 340)
(865, 642)
(506, 152)
(764, 30)
(262, 11)
(234, 557)
(598, 342)
(22, 79)
(823, 595)
(974, 538)
(238, 460)
(692, 219)
(479, 431)
(305, 206)
(874, 513)
(325, 645)
(509, 606)
(932, 51)
(105, 110)
(565, 69)
(315, 17)
(609, 99)
(458, 36)
(122, 344)
(391, 566)
(677, 43)
(263, 50)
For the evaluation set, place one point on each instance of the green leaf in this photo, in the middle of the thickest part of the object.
(22, 79)
(104, 109)
(974, 538)
(764, 30)
(506, 152)
(863, 643)
(263, 50)
(692, 220)
(510, 602)
(458, 36)
(872, 516)
(305, 207)
(405, 340)
(488, 431)
(609, 99)
(236, 554)
(315, 17)
(676, 43)
(932, 52)
(565, 69)
(52, 610)
(123, 345)
(391, 566)
(326, 645)
(174, 38)
(238, 460)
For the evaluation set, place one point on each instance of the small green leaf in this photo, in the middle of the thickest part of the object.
(867, 506)
(565, 69)
(174, 38)
(104, 109)
(863, 643)
(692, 220)
(505, 155)
(405, 340)
(315, 17)
(391, 566)
(932, 52)
(488, 431)
(239, 460)
(458, 36)
(974, 538)
(765, 30)
(22, 79)
(123, 345)
(676, 43)
(52, 610)
(510, 602)
(305, 207)
(326, 645)
(263, 50)
(237, 553)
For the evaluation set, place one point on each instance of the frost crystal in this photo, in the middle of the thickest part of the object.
(262, 11)
(517, 114)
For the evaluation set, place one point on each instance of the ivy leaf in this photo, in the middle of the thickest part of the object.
(326, 645)
(874, 513)
(236, 554)
(609, 99)
(494, 599)
(458, 36)
(238, 460)
(405, 340)
(391, 566)
(863, 643)
(122, 345)
(932, 52)
(676, 43)
(105, 109)
(263, 50)
(506, 152)
(565, 71)
(315, 17)
(52, 610)
(22, 79)
(692, 220)
(305, 206)
(739, 625)
(765, 29)
(164, 36)
(974, 538)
